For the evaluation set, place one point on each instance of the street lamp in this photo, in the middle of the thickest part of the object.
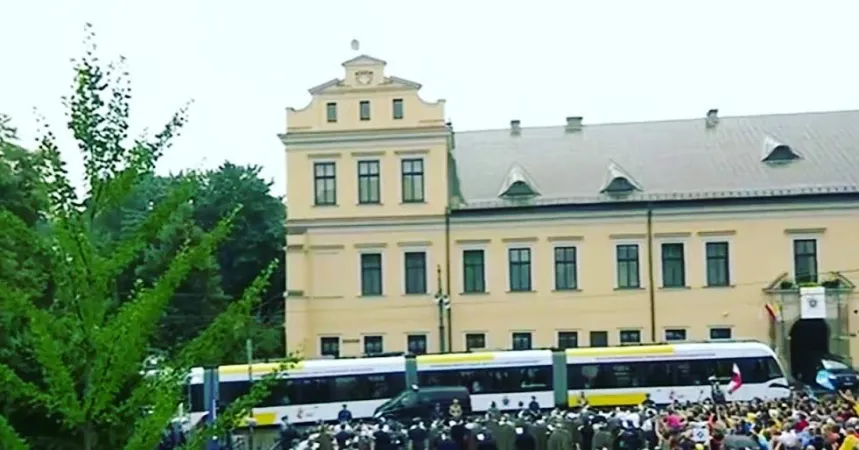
(442, 301)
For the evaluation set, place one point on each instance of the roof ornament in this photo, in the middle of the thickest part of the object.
(775, 151)
(518, 184)
(618, 181)
(355, 45)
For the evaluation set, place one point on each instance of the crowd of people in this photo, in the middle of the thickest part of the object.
(803, 422)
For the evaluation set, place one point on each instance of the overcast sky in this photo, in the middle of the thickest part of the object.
(493, 61)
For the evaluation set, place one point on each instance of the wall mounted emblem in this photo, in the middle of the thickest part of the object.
(812, 302)
(364, 77)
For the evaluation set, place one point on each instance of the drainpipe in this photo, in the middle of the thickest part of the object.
(441, 302)
(650, 282)
(447, 278)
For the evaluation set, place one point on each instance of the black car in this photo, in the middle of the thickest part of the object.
(421, 402)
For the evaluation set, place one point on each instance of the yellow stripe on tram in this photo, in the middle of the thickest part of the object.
(262, 420)
(453, 358)
(622, 351)
(259, 369)
(625, 399)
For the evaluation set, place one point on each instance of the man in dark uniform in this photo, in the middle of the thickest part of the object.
(524, 439)
(505, 435)
(541, 435)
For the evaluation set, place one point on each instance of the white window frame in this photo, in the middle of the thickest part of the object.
(358, 159)
(642, 281)
(461, 248)
(657, 257)
(730, 241)
(667, 329)
(719, 327)
(429, 280)
(578, 246)
(406, 155)
(425, 334)
(530, 245)
(818, 238)
(371, 250)
(486, 340)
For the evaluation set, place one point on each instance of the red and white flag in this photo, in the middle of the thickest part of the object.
(736, 380)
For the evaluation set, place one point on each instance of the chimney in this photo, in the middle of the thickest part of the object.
(712, 118)
(515, 127)
(574, 123)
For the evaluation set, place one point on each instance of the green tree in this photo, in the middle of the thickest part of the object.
(89, 344)
(257, 238)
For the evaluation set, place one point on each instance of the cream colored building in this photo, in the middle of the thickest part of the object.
(404, 235)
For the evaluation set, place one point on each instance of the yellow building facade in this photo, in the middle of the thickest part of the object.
(404, 235)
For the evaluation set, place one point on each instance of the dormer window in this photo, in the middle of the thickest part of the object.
(775, 151)
(331, 112)
(618, 181)
(364, 110)
(619, 185)
(518, 185)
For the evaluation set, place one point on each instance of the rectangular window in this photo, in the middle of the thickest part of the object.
(568, 339)
(475, 341)
(677, 334)
(364, 108)
(473, 271)
(718, 266)
(522, 341)
(413, 180)
(673, 266)
(331, 112)
(368, 182)
(565, 269)
(325, 183)
(373, 345)
(398, 108)
(520, 269)
(720, 333)
(371, 274)
(417, 344)
(627, 266)
(599, 339)
(805, 260)
(329, 346)
(630, 337)
(416, 272)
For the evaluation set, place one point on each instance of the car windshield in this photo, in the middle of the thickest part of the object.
(829, 364)
(404, 398)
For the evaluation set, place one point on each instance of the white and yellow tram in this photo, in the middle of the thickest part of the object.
(315, 390)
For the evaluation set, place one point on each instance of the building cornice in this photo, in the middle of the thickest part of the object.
(308, 140)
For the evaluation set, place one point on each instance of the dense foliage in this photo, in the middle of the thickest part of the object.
(91, 286)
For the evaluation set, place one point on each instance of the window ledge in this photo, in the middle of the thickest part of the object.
(369, 204)
(561, 291)
(639, 288)
(719, 286)
(522, 292)
(474, 293)
(371, 295)
(325, 205)
(674, 288)
(413, 202)
(416, 294)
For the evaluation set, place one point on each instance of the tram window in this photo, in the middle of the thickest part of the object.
(303, 391)
(197, 398)
(489, 381)
(669, 373)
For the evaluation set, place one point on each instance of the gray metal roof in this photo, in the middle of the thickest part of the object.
(678, 159)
